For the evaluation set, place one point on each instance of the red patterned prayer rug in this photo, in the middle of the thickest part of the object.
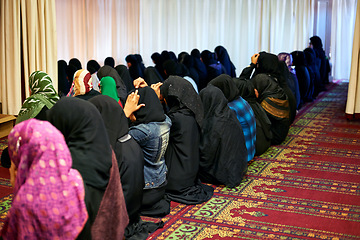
(306, 188)
(5, 187)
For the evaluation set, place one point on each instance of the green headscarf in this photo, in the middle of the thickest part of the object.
(108, 87)
(42, 93)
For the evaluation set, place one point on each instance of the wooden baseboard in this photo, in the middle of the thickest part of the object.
(7, 122)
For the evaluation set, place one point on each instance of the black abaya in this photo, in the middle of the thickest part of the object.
(223, 154)
(182, 154)
(128, 152)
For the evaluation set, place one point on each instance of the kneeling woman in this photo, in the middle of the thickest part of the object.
(48, 200)
(85, 134)
(182, 155)
(151, 129)
(223, 153)
(276, 105)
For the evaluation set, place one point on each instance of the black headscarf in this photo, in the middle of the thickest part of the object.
(172, 68)
(227, 86)
(199, 66)
(165, 55)
(92, 66)
(110, 61)
(152, 111)
(246, 91)
(113, 116)
(224, 58)
(310, 56)
(316, 42)
(222, 146)
(63, 83)
(267, 87)
(158, 61)
(70, 71)
(208, 57)
(180, 93)
(152, 76)
(195, 53)
(268, 63)
(125, 76)
(85, 134)
(189, 62)
(298, 58)
(76, 63)
(105, 71)
(135, 69)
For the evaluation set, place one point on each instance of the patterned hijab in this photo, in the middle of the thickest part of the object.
(48, 194)
(82, 83)
(42, 93)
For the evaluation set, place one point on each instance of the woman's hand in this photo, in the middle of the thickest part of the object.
(156, 88)
(139, 83)
(254, 58)
(131, 105)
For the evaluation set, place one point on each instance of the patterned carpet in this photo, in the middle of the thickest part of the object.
(306, 188)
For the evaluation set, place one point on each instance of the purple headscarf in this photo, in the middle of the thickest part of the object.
(48, 201)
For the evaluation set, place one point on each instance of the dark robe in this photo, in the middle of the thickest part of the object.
(274, 101)
(213, 67)
(158, 61)
(127, 151)
(269, 64)
(182, 154)
(135, 69)
(263, 124)
(92, 93)
(85, 134)
(125, 76)
(314, 71)
(189, 62)
(283, 82)
(199, 66)
(223, 154)
(224, 58)
(303, 76)
(290, 75)
(152, 76)
(322, 61)
(130, 161)
(63, 83)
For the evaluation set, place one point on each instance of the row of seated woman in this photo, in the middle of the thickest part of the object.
(135, 151)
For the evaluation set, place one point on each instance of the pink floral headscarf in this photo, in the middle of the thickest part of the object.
(49, 195)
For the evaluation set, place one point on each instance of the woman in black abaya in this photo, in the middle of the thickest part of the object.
(223, 154)
(270, 65)
(182, 154)
(223, 57)
(123, 72)
(263, 124)
(85, 134)
(274, 101)
(130, 160)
